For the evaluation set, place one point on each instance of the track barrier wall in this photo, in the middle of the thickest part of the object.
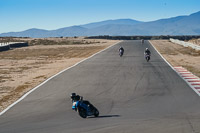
(7, 46)
(185, 44)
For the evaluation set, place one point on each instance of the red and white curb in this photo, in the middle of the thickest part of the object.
(192, 80)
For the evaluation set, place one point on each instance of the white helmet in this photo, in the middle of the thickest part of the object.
(146, 48)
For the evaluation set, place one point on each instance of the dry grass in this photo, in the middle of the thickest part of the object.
(49, 53)
(53, 41)
(63, 41)
(41, 76)
(195, 41)
(16, 93)
(4, 78)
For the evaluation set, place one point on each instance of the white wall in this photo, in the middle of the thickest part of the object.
(185, 44)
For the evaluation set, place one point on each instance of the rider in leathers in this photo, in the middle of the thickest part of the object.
(121, 50)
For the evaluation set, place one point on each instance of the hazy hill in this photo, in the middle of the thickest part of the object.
(111, 22)
(181, 25)
(39, 33)
(69, 31)
(116, 30)
(27, 33)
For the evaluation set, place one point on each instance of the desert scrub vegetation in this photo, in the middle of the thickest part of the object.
(195, 41)
(50, 41)
(14, 93)
(10, 39)
(161, 37)
(60, 42)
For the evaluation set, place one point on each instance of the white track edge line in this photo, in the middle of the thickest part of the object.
(175, 70)
(33, 89)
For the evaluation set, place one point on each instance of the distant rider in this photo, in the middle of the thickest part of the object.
(142, 41)
(74, 99)
(121, 50)
(147, 52)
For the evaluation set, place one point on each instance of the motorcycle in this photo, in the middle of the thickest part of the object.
(142, 41)
(121, 53)
(84, 108)
(147, 57)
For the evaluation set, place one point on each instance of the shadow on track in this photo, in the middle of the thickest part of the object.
(105, 116)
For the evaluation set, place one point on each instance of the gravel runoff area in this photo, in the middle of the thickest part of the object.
(22, 69)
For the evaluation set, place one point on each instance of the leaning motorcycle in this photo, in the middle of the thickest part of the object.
(85, 108)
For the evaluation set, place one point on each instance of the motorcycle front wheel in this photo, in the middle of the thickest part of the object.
(96, 113)
(82, 112)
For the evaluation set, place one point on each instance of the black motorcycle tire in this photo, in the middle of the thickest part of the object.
(96, 113)
(147, 58)
(82, 112)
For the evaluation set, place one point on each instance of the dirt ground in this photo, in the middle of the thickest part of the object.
(22, 69)
(178, 55)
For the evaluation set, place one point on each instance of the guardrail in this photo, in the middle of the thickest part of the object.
(3, 44)
(8, 45)
(185, 44)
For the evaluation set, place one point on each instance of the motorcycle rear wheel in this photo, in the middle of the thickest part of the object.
(147, 58)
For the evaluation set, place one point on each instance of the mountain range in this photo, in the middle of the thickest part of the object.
(181, 25)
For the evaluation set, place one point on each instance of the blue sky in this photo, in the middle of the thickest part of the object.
(19, 15)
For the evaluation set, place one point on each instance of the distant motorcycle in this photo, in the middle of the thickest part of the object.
(147, 54)
(121, 52)
(83, 107)
(147, 57)
(142, 41)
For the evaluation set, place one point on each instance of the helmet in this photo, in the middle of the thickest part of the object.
(147, 49)
(73, 95)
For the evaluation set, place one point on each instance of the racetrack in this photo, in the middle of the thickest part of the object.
(132, 95)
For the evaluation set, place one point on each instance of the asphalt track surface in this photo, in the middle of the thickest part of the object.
(132, 95)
